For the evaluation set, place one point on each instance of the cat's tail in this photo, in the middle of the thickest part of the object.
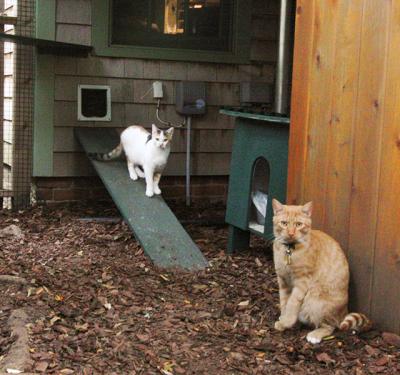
(113, 154)
(355, 322)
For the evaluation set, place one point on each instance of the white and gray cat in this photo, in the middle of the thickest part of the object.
(146, 154)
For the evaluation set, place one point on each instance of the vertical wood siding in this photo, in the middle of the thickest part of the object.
(130, 79)
(345, 140)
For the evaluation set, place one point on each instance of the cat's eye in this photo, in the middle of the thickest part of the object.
(284, 223)
(157, 139)
(299, 224)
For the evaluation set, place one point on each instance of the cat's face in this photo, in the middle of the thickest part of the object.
(292, 224)
(162, 138)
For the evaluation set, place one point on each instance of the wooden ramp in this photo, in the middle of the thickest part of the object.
(160, 234)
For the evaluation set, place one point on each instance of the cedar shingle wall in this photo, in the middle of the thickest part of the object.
(131, 78)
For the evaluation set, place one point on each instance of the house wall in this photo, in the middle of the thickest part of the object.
(344, 151)
(130, 79)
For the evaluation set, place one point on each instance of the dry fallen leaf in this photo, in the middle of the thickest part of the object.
(324, 357)
(82, 327)
(192, 321)
(67, 371)
(54, 319)
(167, 368)
(237, 356)
(391, 339)
(41, 366)
(108, 306)
(382, 361)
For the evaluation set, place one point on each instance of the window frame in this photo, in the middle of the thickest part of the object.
(240, 54)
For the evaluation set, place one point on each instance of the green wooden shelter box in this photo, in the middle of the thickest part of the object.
(258, 173)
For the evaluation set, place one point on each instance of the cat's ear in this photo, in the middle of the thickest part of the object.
(169, 133)
(307, 209)
(154, 130)
(277, 206)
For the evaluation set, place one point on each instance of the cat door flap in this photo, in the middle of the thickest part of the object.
(94, 103)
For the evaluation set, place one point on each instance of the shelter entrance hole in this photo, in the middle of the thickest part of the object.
(259, 194)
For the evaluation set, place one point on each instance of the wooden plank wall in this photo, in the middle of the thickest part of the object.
(345, 140)
(130, 79)
(1, 109)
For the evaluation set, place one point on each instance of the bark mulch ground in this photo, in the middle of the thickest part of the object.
(98, 306)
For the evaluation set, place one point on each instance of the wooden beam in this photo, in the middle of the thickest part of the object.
(8, 20)
(386, 270)
(50, 47)
(369, 123)
(5, 194)
(44, 92)
(300, 101)
(22, 115)
(1, 109)
(341, 130)
(43, 130)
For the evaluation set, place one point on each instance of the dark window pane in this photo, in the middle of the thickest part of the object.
(129, 17)
(191, 24)
(204, 18)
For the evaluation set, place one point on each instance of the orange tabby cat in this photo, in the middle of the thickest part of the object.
(313, 275)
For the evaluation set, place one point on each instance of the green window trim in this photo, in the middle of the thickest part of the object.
(101, 26)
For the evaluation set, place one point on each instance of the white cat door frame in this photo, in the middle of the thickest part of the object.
(103, 98)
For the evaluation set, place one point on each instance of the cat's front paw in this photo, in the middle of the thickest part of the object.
(279, 326)
(157, 191)
(313, 338)
(134, 178)
(284, 323)
(149, 193)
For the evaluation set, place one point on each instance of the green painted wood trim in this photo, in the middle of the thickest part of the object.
(44, 93)
(43, 130)
(256, 116)
(241, 40)
(46, 19)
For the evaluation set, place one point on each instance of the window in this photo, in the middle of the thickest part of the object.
(199, 30)
(188, 24)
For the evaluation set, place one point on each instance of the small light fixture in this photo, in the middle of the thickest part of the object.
(94, 103)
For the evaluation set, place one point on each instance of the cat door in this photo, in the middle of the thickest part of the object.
(259, 195)
(94, 103)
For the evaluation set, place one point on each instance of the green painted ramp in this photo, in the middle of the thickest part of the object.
(160, 234)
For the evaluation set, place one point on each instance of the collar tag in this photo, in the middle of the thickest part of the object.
(288, 253)
(288, 257)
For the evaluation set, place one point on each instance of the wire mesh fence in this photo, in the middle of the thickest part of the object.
(16, 104)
